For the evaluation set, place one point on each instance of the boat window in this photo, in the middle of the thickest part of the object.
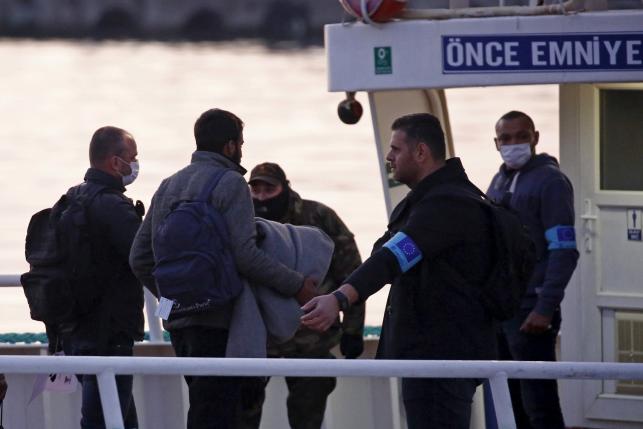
(629, 348)
(621, 139)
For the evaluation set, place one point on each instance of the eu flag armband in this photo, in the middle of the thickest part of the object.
(405, 251)
(561, 237)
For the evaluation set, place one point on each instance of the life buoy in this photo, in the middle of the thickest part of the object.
(378, 10)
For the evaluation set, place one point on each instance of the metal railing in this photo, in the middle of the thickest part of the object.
(105, 368)
(153, 322)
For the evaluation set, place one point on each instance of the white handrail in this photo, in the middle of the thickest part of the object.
(320, 367)
(497, 372)
(9, 280)
(153, 322)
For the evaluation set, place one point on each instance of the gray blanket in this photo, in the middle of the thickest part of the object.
(261, 311)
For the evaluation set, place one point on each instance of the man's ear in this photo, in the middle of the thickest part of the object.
(422, 151)
(495, 140)
(536, 137)
(112, 163)
(228, 148)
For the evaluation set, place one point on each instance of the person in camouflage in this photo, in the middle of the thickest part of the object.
(275, 200)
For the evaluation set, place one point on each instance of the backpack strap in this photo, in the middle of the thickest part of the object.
(457, 192)
(453, 191)
(91, 195)
(86, 198)
(212, 183)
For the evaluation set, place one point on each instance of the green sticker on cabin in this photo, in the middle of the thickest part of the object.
(383, 60)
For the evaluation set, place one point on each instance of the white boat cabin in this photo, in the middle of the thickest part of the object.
(597, 59)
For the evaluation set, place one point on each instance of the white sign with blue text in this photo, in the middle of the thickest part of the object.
(634, 220)
(560, 49)
(542, 52)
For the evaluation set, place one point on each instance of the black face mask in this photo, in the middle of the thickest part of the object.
(273, 209)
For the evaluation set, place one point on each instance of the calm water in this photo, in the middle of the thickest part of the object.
(53, 95)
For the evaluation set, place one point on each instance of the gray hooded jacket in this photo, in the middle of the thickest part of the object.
(232, 198)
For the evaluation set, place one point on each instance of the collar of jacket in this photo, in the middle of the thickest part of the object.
(295, 206)
(217, 158)
(95, 175)
(453, 171)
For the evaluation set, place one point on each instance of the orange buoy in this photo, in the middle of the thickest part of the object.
(378, 10)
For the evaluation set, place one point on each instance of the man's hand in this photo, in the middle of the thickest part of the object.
(320, 312)
(351, 345)
(536, 324)
(307, 292)
(3, 387)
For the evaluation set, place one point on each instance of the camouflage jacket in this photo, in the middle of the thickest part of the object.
(345, 260)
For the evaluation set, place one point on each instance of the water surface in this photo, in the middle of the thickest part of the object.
(54, 94)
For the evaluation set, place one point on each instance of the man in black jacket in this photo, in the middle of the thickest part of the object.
(428, 316)
(111, 328)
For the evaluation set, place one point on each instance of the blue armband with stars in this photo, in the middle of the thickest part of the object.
(561, 237)
(405, 251)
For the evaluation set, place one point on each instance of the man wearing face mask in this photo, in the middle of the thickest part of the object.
(111, 328)
(275, 200)
(534, 187)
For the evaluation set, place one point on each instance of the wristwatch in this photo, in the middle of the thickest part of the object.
(342, 300)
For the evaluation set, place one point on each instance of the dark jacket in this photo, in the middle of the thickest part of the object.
(427, 315)
(113, 224)
(544, 199)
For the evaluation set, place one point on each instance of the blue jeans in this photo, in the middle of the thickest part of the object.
(91, 408)
(213, 400)
(535, 402)
(435, 403)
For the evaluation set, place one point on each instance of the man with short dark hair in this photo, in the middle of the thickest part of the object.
(429, 315)
(275, 200)
(534, 187)
(111, 328)
(219, 138)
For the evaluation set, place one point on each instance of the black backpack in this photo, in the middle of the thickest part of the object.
(514, 250)
(194, 265)
(63, 281)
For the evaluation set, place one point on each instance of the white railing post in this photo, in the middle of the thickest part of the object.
(109, 400)
(502, 401)
(153, 322)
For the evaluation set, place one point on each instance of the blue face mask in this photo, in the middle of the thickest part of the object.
(516, 156)
(128, 179)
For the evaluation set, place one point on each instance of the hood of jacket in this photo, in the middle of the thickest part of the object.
(224, 161)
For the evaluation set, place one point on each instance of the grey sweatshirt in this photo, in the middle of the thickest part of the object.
(232, 198)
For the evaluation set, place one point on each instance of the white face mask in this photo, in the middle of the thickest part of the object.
(516, 156)
(129, 179)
